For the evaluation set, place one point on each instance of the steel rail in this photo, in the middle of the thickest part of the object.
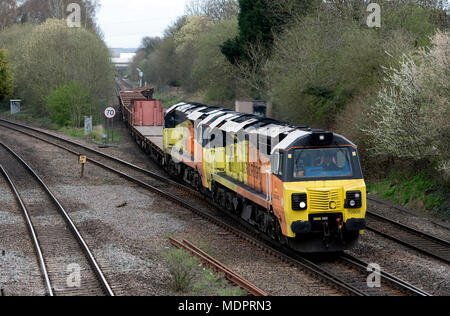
(404, 209)
(410, 229)
(431, 242)
(97, 152)
(32, 232)
(285, 254)
(389, 277)
(219, 267)
(84, 247)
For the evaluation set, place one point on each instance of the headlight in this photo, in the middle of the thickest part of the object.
(299, 201)
(353, 199)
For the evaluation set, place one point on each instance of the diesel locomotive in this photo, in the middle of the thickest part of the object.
(300, 186)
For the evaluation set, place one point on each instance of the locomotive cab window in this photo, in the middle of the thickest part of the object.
(277, 164)
(322, 163)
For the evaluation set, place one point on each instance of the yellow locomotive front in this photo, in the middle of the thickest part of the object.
(319, 192)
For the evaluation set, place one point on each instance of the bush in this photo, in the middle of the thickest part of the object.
(412, 19)
(413, 188)
(412, 111)
(69, 104)
(212, 73)
(181, 266)
(6, 79)
(44, 57)
(319, 64)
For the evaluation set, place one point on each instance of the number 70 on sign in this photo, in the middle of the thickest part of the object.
(110, 112)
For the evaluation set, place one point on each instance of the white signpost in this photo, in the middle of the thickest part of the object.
(87, 125)
(110, 114)
(15, 106)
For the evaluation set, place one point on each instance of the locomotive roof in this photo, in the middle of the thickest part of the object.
(232, 122)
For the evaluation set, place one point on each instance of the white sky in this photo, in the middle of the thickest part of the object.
(125, 22)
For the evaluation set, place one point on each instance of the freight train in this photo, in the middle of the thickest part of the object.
(301, 187)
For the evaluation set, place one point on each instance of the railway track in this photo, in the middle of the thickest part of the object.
(410, 237)
(122, 84)
(217, 266)
(348, 274)
(67, 264)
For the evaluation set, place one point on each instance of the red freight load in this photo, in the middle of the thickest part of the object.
(148, 113)
(139, 108)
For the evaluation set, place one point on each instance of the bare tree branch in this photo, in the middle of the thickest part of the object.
(215, 9)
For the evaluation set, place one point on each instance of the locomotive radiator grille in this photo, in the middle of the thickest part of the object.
(321, 199)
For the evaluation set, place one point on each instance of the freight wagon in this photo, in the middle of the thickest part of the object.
(144, 117)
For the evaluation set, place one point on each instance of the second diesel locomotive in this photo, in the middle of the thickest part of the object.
(300, 186)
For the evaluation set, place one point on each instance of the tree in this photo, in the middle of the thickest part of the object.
(217, 10)
(161, 67)
(158, 58)
(8, 13)
(53, 55)
(68, 104)
(186, 41)
(412, 111)
(6, 79)
(212, 73)
(148, 46)
(322, 61)
(259, 21)
(38, 11)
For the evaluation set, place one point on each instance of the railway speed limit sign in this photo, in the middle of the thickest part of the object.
(110, 112)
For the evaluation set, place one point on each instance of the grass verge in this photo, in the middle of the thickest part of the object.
(415, 190)
(189, 277)
(97, 133)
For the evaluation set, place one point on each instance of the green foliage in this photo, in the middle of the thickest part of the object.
(181, 266)
(4, 106)
(96, 135)
(6, 79)
(322, 61)
(411, 115)
(166, 97)
(217, 10)
(315, 63)
(413, 188)
(161, 67)
(69, 104)
(189, 56)
(38, 11)
(189, 276)
(259, 20)
(412, 19)
(47, 56)
(216, 283)
(233, 49)
(211, 71)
